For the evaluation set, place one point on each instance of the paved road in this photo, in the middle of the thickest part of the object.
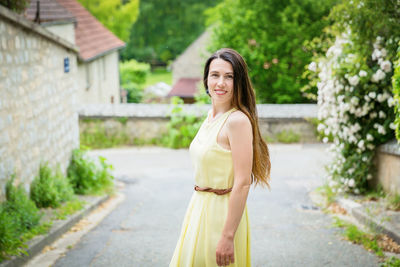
(143, 230)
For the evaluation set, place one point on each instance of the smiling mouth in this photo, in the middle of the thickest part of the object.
(220, 92)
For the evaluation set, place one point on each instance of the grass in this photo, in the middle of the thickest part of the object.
(68, 208)
(158, 75)
(288, 137)
(285, 136)
(328, 193)
(356, 236)
(393, 202)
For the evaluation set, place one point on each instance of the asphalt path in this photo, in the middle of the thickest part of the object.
(286, 228)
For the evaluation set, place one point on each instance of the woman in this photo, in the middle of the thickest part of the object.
(228, 155)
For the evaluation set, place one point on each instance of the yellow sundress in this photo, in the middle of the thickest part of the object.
(206, 214)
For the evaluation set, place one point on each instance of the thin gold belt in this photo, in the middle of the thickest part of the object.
(212, 190)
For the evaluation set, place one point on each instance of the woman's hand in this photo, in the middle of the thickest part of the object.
(225, 251)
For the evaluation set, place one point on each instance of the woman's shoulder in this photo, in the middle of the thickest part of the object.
(238, 119)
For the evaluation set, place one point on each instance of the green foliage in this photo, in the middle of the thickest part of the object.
(18, 215)
(50, 189)
(133, 76)
(355, 235)
(328, 193)
(15, 5)
(288, 137)
(95, 135)
(116, 15)
(391, 262)
(396, 93)
(133, 71)
(87, 175)
(159, 75)
(393, 202)
(368, 19)
(69, 208)
(201, 97)
(270, 35)
(353, 72)
(165, 28)
(182, 128)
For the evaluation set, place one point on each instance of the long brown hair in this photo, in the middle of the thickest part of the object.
(244, 100)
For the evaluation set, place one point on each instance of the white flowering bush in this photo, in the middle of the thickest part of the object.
(355, 108)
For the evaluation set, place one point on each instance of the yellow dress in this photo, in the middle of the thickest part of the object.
(206, 214)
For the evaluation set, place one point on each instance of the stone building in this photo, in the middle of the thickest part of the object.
(98, 71)
(38, 98)
(187, 69)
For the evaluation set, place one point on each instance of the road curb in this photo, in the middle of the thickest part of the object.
(59, 227)
(384, 222)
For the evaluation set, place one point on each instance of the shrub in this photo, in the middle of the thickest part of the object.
(18, 215)
(181, 128)
(50, 189)
(88, 176)
(396, 93)
(134, 72)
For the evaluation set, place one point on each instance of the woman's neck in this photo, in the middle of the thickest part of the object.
(219, 108)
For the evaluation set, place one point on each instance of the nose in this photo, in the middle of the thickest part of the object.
(221, 81)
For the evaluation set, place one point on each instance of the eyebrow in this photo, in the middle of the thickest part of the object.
(214, 71)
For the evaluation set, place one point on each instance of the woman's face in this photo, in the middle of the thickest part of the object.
(220, 81)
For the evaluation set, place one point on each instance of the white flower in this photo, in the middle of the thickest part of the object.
(369, 176)
(356, 191)
(383, 52)
(373, 115)
(378, 75)
(325, 139)
(392, 126)
(381, 130)
(354, 100)
(380, 98)
(370, 137)
(386, 66)
(361, 144)
(390, 101)
(382, 114)
(371, 146)
(367, 98)
(363, 73)
(352, 183)
(312, 66)
(376, 54)
(372, 95)
(354, 80)
(320, 127)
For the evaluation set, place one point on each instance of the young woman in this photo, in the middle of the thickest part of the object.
(228, 155)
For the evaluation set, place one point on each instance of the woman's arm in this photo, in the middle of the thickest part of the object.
(241, 143)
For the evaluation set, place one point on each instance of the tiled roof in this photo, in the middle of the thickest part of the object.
(50, 11)
(185, 87)
(92, 38)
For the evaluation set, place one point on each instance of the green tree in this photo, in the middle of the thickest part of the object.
(270, 34)
(165, 28)
(116, 15)
(15, 5)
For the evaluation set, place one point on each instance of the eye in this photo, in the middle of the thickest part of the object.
(229, 77)
(214, 75)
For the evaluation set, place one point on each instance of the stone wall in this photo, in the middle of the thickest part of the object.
(38, 119)
(148, 121)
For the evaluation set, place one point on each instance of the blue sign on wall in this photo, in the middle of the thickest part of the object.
(66, 65)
